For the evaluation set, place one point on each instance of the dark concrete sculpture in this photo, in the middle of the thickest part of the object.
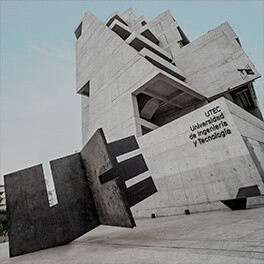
(90, 188)
(240, 202)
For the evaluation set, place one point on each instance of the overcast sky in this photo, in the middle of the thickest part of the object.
(40, 111)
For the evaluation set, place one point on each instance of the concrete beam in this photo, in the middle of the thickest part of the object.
(162, 64)
(113, 17)
(120, 29)
(139, 42)
(149, 108)
(161, 97)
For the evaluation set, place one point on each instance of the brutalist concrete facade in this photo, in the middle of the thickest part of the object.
(191, 105)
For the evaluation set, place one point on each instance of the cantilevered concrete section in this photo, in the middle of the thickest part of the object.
(191, 105)
(213, 237)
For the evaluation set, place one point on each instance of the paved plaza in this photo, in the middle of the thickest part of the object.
(212, 237)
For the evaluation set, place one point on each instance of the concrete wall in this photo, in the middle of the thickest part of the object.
(165, 29)
(112, 67)
(112, 106)
(114, 70)
(251, 128)
(197, 178)
(211, 62)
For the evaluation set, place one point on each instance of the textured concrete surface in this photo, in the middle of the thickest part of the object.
(197, 177)
(145, 78)
(33, 225)
(110, 203)
(211, 237)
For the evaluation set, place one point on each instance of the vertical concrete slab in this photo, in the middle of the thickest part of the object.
(76, 205)
(27, 202)
(110, 200)
(33, 224)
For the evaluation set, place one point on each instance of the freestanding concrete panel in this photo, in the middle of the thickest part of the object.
(110, 201)
(33, 225)
(83, 201)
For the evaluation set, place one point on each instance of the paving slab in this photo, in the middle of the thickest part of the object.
(212, 237)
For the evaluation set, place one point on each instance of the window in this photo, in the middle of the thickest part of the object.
(78, 31)
(238, 41)
(145, 130)
(85, 90)
(184, 40)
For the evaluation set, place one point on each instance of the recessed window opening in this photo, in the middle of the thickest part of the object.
(242, 97)
(78, 31)
(139, 44)
(184, 40)
(245, 98)
(148, 34)
(180, 44)
(85, 90)
(117, 17)
(145, 130)
(121, 32)
(237, 39)
(143, 23)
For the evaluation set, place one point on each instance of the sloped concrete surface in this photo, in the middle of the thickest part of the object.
(212, 237)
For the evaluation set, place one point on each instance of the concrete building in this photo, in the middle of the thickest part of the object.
(191, 105)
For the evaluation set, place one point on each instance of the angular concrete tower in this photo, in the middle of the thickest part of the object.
(191, 105)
